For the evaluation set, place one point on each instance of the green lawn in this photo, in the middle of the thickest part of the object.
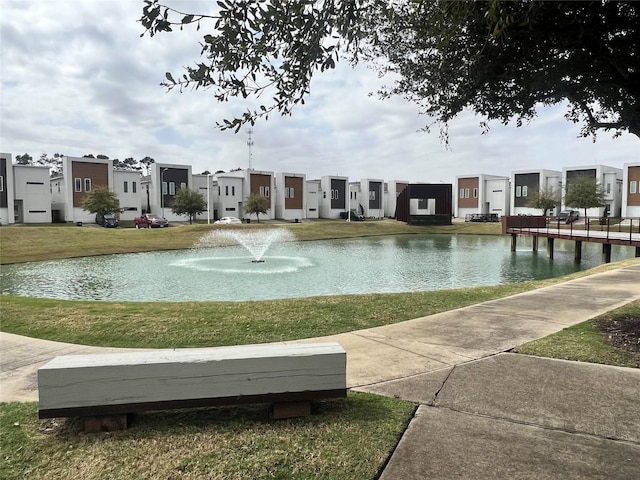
(585, 343)
(342, 440)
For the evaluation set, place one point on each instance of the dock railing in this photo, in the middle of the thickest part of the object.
(617, 230)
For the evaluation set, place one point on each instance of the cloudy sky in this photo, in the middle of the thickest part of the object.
(78, 79)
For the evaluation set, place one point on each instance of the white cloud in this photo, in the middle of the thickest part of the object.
(77, 78)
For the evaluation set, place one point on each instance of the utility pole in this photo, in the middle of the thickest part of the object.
(250, 144)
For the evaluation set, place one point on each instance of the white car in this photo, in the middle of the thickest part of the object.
(225, 220)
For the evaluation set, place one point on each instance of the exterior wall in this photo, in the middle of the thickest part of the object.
(80, 176)
(32, 194)
(263, 183)
(355, 199)
(6, 189)
(290, 190)
(533, 180)
(372, 197)
(334, 196)
(394, 189)
(496, 196)
(481, 194)
(200, 185)
(467, 195)
(312, 198)
(230, 195)
(127, 185)
(631, 190)
(57, 187)
(609, 178)
(164, 182)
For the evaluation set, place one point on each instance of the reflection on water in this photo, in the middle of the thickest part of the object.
(401, 263)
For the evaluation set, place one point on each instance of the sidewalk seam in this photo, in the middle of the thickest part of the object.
(537, 425)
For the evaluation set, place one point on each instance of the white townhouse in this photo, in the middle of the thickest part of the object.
(290, 196)
(609, 178)
(334, 199)
(526, 183)
(312, 194)
(127, 185)
(481, 194)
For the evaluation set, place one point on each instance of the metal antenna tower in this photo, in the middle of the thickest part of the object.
(250, 144)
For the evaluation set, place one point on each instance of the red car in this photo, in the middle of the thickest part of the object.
(148, 220)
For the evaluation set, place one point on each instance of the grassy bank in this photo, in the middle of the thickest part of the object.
(33, 243)
(197, 324)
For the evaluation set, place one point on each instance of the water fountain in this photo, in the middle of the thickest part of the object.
(256, 242)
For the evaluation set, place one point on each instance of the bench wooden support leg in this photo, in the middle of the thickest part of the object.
(106, 423)
(283, 410)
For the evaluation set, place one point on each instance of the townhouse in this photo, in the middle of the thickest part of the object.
(29, 195)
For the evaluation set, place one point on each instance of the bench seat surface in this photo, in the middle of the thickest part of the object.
(78, 381)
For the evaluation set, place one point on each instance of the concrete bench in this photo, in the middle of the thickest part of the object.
(287, 376)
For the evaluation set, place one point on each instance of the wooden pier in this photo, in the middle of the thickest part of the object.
(606, 231)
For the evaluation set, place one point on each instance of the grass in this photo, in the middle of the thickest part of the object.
(584, 342)
(34, 243)
(198, 324)
(345, 439)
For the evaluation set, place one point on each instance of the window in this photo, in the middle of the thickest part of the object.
(466, 193)
(334, 194)
(172, 188)
(372, 194)
(462, 193)
(183, 185)
(1, 183)
(226, 190)
(633, 186)
(524, 190)
(291, 195)
(164, 188)
(264, 191)
(126, 186)
(233, 190)
(87, 184)
(78, 182)
(518, 191)
(134, 189)
(608, 188)
(261, 191)
(324, 194)
(475, 193)
(286, 192)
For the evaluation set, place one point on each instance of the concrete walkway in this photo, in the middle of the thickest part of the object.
(482, 413)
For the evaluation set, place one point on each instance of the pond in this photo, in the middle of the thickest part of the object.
(402, 263)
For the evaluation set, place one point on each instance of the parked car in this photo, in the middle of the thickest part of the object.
(568, 216)
(227, 220)
(484, 217)
(356, 216)
(148, 220)
(107, 220)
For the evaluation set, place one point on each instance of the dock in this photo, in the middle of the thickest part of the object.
(607, 231)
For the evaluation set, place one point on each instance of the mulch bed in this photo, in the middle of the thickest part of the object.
(622, 333)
